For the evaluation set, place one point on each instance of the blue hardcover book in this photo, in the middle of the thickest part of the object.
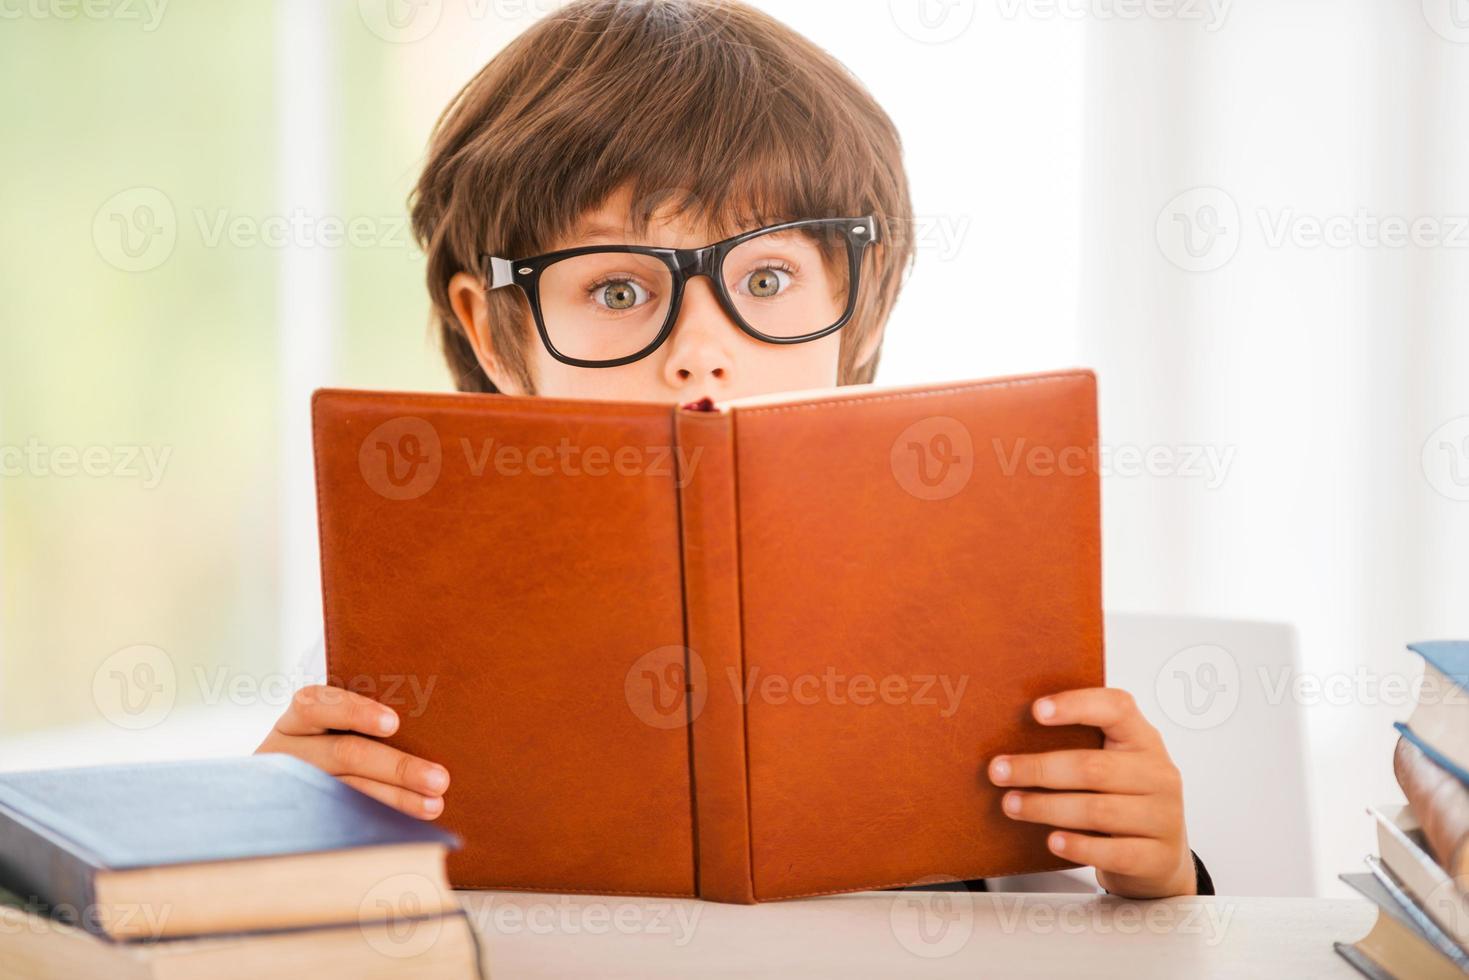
(1439, 724)
(264, 842)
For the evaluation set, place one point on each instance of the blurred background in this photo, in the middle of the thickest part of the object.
(1251, 218)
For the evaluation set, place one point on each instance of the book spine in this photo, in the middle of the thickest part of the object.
(708, 509)
(1439, 801)
(44, 875)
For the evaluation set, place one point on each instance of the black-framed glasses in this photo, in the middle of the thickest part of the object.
(605, 305)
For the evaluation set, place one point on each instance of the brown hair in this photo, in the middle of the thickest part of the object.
(709, 107)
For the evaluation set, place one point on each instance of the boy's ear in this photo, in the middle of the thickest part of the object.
(467, 298)
(873, 342)
(870, 345)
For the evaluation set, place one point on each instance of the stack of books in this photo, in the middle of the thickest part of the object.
(1419, 878)
(243, 868)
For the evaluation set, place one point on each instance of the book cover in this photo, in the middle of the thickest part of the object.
(747, 651)
(60, 830)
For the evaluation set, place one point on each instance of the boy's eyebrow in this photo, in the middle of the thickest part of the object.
(615, 234)
(600, 230)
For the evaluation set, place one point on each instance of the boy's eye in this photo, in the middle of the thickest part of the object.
(765, 283)
(620, 294)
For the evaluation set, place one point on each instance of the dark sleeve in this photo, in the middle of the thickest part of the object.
(972, 885)
(1203, 884)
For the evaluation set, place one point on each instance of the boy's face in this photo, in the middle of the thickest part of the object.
(707, 353)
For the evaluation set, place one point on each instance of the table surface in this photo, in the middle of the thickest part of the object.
(914, 933)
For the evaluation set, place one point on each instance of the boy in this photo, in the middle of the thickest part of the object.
(683, 123)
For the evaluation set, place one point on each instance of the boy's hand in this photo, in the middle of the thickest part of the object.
(1128, 794)
(316, 727)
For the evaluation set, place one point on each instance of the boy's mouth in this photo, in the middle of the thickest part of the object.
(705, 404)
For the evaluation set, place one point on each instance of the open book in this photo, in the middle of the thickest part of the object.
(749, 651)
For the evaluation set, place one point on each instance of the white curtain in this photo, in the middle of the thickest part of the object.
(1275, 266)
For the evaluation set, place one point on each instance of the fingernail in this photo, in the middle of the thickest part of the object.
(437, 779)
(433, 806)
(1000, 769)
(1012, 803)
(386, 722)
(1045, 708)
(1057, 842)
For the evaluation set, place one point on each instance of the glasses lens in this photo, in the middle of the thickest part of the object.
(790, 283)
(604, 305)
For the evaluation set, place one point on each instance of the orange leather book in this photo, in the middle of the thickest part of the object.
(745, 652)
(1441, 804)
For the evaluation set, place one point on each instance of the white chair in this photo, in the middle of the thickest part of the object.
(1206, 685)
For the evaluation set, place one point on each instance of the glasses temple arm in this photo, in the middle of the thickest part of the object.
(500, 273)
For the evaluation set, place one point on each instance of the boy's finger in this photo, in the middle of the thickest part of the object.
(409, 802)
(318, 709)
(1108, 813)
(1111, 709)
(1128, 856)
(353, 755)
(1098, 770)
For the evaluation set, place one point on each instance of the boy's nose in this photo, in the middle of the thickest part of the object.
(699, 352)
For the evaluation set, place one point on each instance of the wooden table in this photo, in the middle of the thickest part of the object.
(911, 933)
